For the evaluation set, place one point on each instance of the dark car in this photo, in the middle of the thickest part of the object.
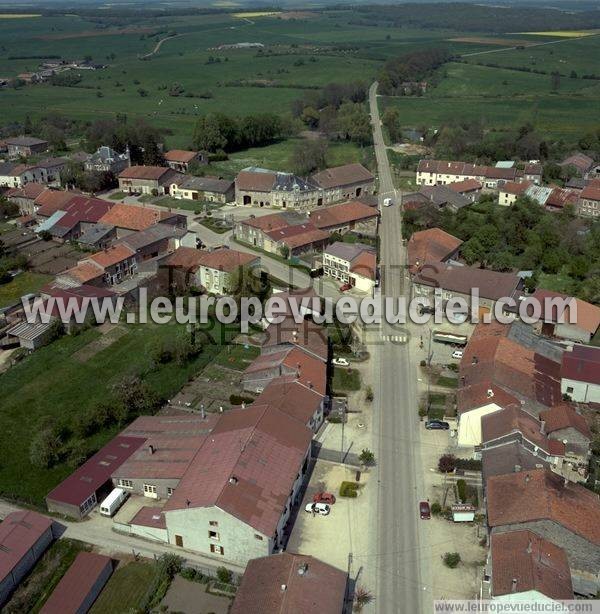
(345, 287)
(439, 425)
(424, 510)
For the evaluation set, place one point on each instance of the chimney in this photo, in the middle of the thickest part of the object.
(309, 384)
(283, 588)
(517, 468)
(513, 588)
(302, 569)
(527, 478)
(151, 449)
(233, 480)
(490, 393)
(529, 548)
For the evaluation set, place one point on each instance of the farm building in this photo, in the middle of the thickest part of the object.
(24, 537)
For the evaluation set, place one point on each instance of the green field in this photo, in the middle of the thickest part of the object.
(61, 381)
(125, 588)
(22, 284)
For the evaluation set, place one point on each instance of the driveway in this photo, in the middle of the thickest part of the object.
(332, 538)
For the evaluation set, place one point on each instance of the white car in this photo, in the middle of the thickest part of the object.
(340, 362)
(387, 202)
(317, 508)
(457, 354)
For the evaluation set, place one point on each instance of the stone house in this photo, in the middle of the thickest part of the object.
(180, 160)
(343, 183)
(25, 146)
(580, 374)
(148, 179)
(107, 160)
(204, 189)
(351, 216)
(589, 201)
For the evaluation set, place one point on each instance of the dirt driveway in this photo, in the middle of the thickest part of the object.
(191, 598)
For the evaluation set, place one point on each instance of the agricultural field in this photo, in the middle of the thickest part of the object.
(507, 95)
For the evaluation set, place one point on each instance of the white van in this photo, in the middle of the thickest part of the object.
(387, 202)
(113, 502)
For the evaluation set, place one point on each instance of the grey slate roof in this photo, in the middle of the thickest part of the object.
(347, 251)
(24, 141)
(206, 184)
(94, 234)
(442, 195)
(157, 232)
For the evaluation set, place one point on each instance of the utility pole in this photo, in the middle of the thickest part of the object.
(343, 422)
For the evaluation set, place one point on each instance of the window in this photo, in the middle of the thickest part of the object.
(170, 491)
(213, 523)
(217, 549)
(126, 483)
(149, 489)
(213, 535)
(257, 536)
(569, 389)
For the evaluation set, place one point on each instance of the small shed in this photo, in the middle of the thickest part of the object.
(463, 512)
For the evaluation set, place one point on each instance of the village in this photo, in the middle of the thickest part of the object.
(242, 474)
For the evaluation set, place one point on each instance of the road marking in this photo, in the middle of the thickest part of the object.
(396, 338)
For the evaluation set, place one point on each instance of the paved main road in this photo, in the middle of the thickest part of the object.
(401, 583)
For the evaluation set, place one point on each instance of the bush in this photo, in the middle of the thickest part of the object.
(447, 463)
(191, 574)
(238, 399)
(451, 559)
(224, 575)
(436, 508)
(461, 487)
(469, 464)
(423, 363)
(369, 394)
(349, 489)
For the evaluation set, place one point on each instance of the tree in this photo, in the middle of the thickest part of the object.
(284, 250)
(366, 457)
(45, 446)
(224, 575)
(362, 597)
(451, 559)
(134, 398)
(391, 122)
(309, 156)
(447, 463)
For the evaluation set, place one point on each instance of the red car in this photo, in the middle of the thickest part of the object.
(324, 497)
(345, 287)
(424, 510)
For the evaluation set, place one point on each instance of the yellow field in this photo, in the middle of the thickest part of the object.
(563, 33)
(18, 15)
(256, 14)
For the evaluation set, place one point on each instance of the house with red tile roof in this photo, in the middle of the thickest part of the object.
(235, 499)
(148, 179)
(580, 374)
(351, 216)
(557, 311)
(107, 268)
(130, 218)
(310, 337)
(523, 566)
(290, 583)
(180, 159)
(305, 368)
(589, 200)
(81, 584)
(344, 182)
(509, 191)
(563, 422)
(24, 537)
(471, 188)
(515, 425)
(555, 509)
(430, 246)
(354, 264)
(582, 163)
(25, 197)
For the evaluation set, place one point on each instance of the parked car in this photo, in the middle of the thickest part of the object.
(387, 202)
(424, 510)
(340, 362)
(318, 508)
(457, 354)
(345, 287)
(439, 425)
(324, 497)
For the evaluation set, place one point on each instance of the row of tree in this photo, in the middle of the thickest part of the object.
(409, 68)
(219, 132)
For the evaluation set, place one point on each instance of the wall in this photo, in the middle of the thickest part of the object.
(237, 538)
(572, 332)
(581, 392)
(469, 425)
(138, 485)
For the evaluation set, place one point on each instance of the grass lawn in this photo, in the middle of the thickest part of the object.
(55, 381)
(215, 226)
(560, 282)
(46, 574)
(21, 284)
(237, 356)
(125, 588)
(448, 382)
(281, 259)
(345, 380)
(117, 196)
(437, 398)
